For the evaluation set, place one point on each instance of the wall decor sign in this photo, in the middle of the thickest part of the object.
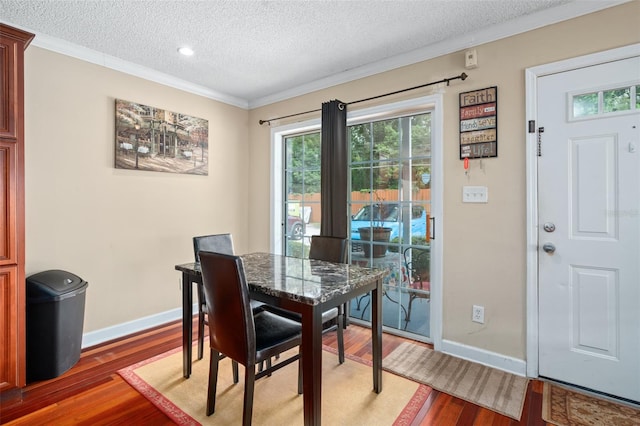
(154, 139)
(479, 123)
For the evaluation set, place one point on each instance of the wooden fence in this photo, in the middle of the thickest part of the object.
(358, 198)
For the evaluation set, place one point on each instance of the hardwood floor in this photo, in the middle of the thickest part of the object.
(92, 393)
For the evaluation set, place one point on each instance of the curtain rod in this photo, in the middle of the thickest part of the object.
(462, 77)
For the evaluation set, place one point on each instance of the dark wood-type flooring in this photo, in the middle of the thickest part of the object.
(92, 393)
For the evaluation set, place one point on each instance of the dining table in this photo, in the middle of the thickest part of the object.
(306, 286)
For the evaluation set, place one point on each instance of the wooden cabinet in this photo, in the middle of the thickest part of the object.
(13, 42)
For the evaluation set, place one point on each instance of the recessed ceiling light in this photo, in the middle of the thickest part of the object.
(186, 51)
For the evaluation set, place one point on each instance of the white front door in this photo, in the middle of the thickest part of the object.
(589, 228)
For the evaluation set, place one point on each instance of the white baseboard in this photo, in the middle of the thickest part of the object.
(93, 338)
(470, 353)
(481, 356)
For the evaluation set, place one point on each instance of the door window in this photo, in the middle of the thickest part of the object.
(605, 102)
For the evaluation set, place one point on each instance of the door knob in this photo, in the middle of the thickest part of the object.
(549, 248)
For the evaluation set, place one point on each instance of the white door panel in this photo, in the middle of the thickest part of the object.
(588, 187)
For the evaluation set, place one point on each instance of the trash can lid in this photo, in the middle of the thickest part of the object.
(50, 285)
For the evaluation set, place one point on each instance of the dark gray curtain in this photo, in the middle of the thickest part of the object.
(333, 169)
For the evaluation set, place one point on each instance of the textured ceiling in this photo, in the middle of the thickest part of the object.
(256, 51)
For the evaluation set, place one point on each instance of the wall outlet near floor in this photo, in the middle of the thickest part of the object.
(477, 314)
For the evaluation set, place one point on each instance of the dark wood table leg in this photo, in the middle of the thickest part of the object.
(312, 365)
(187, 324)
(376, 336)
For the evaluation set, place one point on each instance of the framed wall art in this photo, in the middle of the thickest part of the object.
(479, 123)
(154, 139)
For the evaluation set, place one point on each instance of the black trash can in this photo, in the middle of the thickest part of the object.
(55, 317)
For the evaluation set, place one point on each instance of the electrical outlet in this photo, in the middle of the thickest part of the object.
(477, 314)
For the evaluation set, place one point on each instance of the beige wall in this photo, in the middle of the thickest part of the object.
(484, 245)
(121, 230)
(124, 230)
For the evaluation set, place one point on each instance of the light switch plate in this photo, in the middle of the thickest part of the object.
(475, 194)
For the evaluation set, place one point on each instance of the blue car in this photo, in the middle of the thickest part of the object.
(387, 215)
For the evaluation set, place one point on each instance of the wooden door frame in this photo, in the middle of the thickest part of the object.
(531, 82)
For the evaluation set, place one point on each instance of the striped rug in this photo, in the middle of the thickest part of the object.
(487, 387)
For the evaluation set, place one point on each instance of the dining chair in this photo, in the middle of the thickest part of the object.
(220, 243)
(236, 332)
(333, 249)
(330, 249)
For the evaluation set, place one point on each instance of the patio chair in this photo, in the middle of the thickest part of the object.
(418, 264)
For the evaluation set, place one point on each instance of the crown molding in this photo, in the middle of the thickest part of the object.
(517, 26)
(63, 47)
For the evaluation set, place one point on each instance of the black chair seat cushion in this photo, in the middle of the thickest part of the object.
(256, 306)
(271, 331)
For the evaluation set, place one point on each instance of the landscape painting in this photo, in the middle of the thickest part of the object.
(154, 139)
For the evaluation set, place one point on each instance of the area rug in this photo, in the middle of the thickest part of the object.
(347, 393)
(565, 407)
(487, 387)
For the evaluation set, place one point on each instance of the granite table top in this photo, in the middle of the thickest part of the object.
(308, 281)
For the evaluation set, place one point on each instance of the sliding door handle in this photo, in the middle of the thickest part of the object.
(433, 228)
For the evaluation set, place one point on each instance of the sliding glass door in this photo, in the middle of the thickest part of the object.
(390, 203)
